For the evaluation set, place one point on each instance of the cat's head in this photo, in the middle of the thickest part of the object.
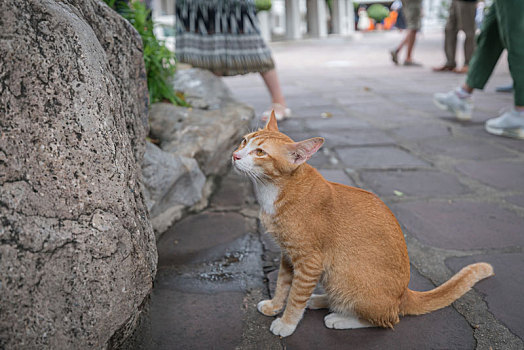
(268, 154)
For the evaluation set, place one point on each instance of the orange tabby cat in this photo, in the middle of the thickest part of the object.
(344, 236)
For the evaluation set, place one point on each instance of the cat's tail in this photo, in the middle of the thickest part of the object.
(418, 303)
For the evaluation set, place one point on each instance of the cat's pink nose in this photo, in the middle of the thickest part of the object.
(236, 156)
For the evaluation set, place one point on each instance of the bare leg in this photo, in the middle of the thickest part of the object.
(285, 276)
(273, 85)
(467, 88)
(410, 42)
(402, 43)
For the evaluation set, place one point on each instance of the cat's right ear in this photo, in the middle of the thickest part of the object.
(300, 152)
(272, 122)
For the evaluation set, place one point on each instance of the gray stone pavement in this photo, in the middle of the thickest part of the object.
(457, 191)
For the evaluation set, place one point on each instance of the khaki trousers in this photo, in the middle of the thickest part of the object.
(461, 17)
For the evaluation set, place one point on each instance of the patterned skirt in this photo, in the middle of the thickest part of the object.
(222, 36)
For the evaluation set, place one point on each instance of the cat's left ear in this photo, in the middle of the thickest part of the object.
(300, 152)
(272, 122)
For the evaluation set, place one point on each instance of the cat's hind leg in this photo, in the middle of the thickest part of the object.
(340, 321)
(318, 301)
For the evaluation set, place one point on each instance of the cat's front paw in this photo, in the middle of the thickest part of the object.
(278, 327)
(266, 308)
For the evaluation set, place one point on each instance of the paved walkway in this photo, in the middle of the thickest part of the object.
(457, 192)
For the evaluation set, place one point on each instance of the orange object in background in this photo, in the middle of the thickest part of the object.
(390, 20)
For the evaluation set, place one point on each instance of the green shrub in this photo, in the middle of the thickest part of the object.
(378, 12)
(159, 61)
(263, 5)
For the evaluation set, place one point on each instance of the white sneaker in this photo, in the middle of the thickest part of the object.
(510, 124)
(449, 101)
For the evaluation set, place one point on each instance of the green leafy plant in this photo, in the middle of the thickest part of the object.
(378, 12)
(263, 5)
(158, 59)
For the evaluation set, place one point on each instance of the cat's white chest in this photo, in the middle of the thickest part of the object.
(267, 195)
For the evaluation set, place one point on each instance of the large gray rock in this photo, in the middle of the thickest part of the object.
(209, 136)
(201, 88)
(172, 184)
(77, 251)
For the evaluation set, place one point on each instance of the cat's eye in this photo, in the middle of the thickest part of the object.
(243, 143)
(259, 152)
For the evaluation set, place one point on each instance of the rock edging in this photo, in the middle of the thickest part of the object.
(194, 146)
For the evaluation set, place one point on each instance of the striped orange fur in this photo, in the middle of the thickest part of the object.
(342, 236)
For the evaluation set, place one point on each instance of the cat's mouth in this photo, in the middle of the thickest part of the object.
(238, 167)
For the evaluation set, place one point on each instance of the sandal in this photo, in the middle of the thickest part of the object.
(281, 112)
(443, 69)
(394, 56)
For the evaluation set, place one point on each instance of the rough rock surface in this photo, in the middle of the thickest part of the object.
(209, 136)
(77, 251)
(172, 183)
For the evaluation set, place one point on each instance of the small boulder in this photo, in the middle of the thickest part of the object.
(209, 136)
(172, 183)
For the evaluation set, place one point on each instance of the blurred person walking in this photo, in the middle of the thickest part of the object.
(503, 28)
(461, 17)
(224, 37)
(413, 12)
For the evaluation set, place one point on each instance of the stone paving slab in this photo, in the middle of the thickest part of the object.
(517, 200)
(503, 175)
(461, 224)
(336, 175)
(356, 138)
(317, 111)
(200, 237)
(503, 292)
(385, 115)
(336, 123)
(379, 158)
(462, 149)
(422, 131)
(196, 321)
(479, 133)
(294, 124)
(422, 183)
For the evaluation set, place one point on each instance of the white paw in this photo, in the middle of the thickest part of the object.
(265, 307)
(282, 329)
(338, 321)
(262, 305)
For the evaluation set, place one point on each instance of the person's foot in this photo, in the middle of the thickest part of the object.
(412, 64)
(394, 56)
(462, 107)
(509, 124)
(443, 68)
(462, 70)
(281, 112)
